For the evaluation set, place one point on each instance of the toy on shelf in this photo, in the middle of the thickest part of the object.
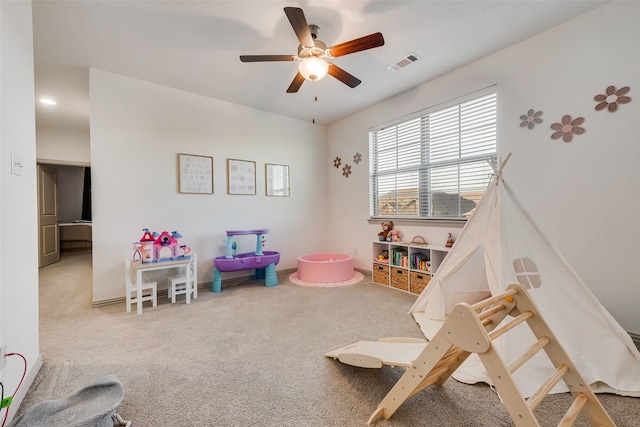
(418, 240)
(158, 247)
(384, 257)
(394, 235)
(449, 241)
(387, 226)
(264, 262)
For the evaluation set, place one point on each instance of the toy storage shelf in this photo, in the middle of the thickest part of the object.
(409, 266)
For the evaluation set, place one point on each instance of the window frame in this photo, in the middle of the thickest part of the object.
(420, 184)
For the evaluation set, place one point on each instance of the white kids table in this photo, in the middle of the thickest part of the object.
(163, 265)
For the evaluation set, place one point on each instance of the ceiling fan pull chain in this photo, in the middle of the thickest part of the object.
(315, 99)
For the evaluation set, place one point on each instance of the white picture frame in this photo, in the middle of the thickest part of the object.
(276, 180)
(195, 174)
(241, 177)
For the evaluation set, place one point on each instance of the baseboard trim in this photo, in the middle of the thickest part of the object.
(104, 302)
(282, 274)
(365, 272)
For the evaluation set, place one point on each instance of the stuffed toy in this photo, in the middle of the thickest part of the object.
(395, 235)
(387, 226)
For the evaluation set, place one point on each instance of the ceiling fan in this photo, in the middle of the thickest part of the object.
(313, 53)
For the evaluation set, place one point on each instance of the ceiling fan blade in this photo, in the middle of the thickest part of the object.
(300, 26)
(296, 83)
(343, 76)
(363, 43)
(264, 58)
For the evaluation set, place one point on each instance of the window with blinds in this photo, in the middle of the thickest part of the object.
(435, 165)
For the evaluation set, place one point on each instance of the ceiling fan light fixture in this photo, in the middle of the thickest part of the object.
(313, 53)
(313, 68)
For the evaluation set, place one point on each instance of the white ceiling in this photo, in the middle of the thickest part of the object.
(194, 46)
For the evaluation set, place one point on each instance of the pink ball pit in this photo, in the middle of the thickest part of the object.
(325, 268)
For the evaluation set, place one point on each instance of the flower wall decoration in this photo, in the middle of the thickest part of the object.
(346, 171)
(567, 128)
(531, 119)
(357, 158)
(611, 98)
(337, 162)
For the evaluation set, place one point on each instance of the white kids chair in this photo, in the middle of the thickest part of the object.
(178, 283)
(137, 293)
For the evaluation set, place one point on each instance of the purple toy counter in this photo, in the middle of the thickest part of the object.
(264, 263)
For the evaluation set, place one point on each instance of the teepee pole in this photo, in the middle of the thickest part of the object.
(503, 163)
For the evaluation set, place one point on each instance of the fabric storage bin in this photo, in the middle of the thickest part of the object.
(381, 274)
(418, 281)
(400, 278)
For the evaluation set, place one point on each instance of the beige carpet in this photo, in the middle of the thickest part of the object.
(252, 356)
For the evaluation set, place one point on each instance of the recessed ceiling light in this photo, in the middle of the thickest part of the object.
(48, 101)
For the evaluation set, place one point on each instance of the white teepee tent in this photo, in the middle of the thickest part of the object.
(501, 245)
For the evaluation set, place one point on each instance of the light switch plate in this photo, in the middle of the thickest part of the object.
(16, 164)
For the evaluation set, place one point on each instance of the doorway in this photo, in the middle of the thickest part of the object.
(65, 227)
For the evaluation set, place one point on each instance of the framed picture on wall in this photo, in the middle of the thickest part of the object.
(276, 180)
(195, 174)
(241, 177)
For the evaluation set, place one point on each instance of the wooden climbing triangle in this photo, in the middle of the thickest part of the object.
(472, 329)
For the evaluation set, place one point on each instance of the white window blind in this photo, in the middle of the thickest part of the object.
(435, 165)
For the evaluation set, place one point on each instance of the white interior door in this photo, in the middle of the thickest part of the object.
(48, 230)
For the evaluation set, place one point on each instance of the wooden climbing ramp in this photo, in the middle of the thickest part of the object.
(473, 329)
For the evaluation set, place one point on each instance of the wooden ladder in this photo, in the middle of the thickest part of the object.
(472, 329)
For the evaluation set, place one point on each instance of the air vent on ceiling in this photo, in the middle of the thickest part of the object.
(401, 63)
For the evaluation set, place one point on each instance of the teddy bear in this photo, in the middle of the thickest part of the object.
(394, 235)
(387, 226)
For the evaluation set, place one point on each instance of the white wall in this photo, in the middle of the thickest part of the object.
(63, 146)
(583, 194)
(137, 130)
(18, 220)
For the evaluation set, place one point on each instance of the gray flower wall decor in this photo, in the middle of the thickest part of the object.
(530, 119)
